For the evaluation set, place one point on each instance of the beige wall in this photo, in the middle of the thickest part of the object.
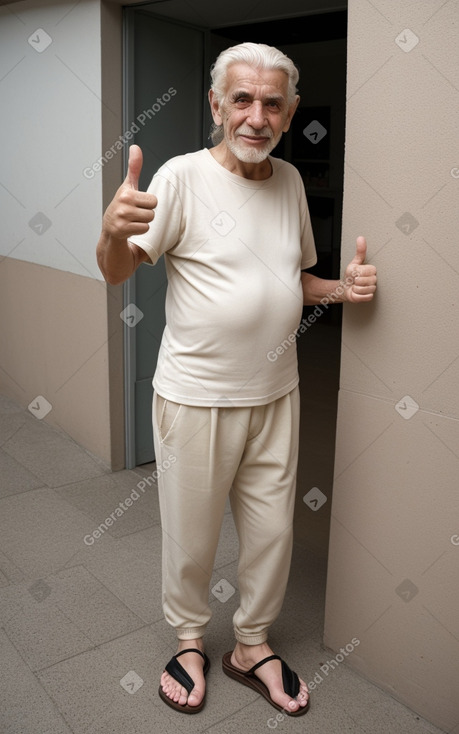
(394, 550)
(55, 349)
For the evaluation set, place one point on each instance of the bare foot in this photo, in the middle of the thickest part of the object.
(246, 656)
(193, 665)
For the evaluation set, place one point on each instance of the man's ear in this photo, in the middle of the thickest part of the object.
(291, 112)
(215, 108)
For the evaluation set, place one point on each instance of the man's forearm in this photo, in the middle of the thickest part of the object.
(315, 290)
(116, 259)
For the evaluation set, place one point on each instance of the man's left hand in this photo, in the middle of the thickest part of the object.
(359, 278)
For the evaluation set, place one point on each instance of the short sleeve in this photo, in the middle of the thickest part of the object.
(166, 228)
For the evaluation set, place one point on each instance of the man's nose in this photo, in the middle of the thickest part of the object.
(256, 117)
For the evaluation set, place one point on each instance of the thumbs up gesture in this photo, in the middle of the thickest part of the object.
(130, 211)
(359, 278)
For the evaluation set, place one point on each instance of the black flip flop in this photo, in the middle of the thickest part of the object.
(178, 672)
(248, 678)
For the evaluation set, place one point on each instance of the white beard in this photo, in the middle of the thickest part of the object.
(247, 154)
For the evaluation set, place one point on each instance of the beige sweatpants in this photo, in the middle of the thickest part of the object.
(204, 454)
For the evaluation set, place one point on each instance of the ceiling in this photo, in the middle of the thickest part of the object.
(213, 14)
(302, 29)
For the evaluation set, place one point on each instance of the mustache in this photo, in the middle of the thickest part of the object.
(246, 130)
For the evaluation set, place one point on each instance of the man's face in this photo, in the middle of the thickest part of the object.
(254, 112)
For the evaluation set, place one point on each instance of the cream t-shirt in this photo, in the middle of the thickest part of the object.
(233, 249)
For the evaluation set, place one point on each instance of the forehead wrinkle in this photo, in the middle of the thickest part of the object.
(245, 93)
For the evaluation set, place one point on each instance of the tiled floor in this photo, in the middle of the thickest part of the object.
(82, 639)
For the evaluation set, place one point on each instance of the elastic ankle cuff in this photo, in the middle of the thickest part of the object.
(257, 639)
(190, 633)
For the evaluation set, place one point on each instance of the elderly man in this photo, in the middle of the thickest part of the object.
(233, 225)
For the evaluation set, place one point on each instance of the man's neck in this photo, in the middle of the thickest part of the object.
(253, 171)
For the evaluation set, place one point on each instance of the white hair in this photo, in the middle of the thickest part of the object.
(257, 55)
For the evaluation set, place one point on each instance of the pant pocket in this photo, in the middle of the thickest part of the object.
(168, 413)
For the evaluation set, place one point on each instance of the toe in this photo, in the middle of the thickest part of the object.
(182, 696)
(195, 697)
(301, 700)
(284, 700)
(280, 697)
(303, 695)
(166, 683)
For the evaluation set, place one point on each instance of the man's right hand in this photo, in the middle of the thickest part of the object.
(129, 213)
(131, 210)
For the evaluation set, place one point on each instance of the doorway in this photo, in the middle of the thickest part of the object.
(167, 77)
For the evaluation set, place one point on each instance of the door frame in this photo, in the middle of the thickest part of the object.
(129, 286)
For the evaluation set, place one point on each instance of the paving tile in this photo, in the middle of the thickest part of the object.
(54, 458)
(144, 718)
(14, 478)
(17, 593)
(304, 602)
(10, 423)
(89, 693)
(41, 532)
(25, 708)
(149, 493)
(9, 572)
(116, 497)
(147, 648)
(45, 635)
(91, 606)
(131, 569)
(62, 615)
(145, 470)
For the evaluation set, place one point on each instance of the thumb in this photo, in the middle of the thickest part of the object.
(134, 167)
(360, 251)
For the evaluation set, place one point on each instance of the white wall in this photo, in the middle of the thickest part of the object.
(51, 131)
